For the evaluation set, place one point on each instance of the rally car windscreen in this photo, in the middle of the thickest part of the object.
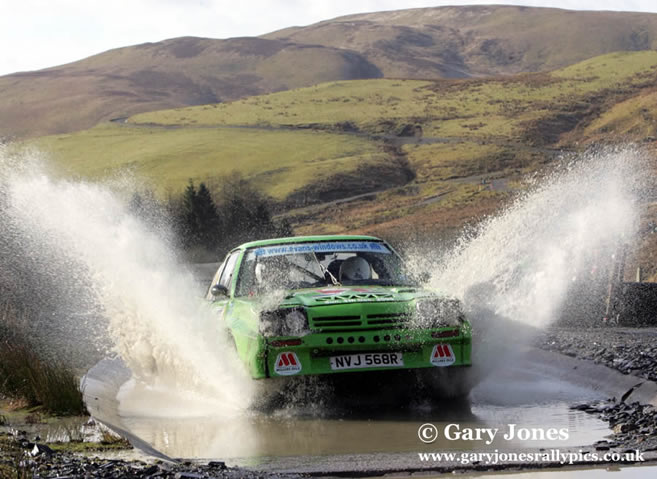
(308, 265)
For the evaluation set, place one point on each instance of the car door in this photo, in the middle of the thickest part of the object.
(235, 312)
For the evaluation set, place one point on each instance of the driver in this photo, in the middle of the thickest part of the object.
(354, 269)
(260, 273)
(268, 275)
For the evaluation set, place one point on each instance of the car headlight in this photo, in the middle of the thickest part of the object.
(284, 322)
(437, 313)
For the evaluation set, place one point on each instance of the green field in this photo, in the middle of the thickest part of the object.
(498, 108)
(278, 162)
(341, 139)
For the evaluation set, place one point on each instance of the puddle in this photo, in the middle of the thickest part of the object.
(574, 428)
(260, 436)
(64, 429)
(525, 396)
(522, 397)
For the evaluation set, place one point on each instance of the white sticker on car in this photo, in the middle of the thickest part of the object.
(442, 355)
(322, 247)
(287, 364)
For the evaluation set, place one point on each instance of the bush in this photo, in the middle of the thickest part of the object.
(210, 221)
(24, 375)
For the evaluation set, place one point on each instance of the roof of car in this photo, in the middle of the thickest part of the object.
(306, 239)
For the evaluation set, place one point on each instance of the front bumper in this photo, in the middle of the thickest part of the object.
(444, 347)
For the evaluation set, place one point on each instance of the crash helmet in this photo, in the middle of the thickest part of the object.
(355, 268)
(260, 273)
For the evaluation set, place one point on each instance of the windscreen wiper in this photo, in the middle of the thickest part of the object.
(325, 271)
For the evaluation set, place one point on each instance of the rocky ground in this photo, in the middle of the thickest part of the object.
(21, 458)
(628, 350)
(634, 424)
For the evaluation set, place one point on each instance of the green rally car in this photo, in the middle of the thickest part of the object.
(334, 305)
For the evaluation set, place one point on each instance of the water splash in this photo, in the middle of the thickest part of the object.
(522, 263)
(545, 257)
(79, 232)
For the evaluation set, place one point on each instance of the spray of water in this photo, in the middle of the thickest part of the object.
(552, 248)
(522, 263)
(154, 319)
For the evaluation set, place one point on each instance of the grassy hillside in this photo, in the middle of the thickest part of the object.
(504, 108)
(278, 162)
(634, 119)
(338, 156)
(433, 43)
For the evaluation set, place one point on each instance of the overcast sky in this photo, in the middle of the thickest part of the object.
(37, 34)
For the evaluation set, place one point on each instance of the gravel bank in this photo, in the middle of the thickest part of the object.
(628, 350)
(21, 458)
(634, 425)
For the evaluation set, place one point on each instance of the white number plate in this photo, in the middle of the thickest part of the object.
(367, 360)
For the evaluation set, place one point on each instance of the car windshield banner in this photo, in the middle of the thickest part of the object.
(324, 247)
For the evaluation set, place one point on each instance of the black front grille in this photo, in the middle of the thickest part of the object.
(386, 318)
(375, 322)
(336, 321)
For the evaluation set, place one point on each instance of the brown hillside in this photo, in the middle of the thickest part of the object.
(179, 72)
(479, 40)
(418, 43)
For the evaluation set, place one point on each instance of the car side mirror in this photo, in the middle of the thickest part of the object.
(219, 290)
